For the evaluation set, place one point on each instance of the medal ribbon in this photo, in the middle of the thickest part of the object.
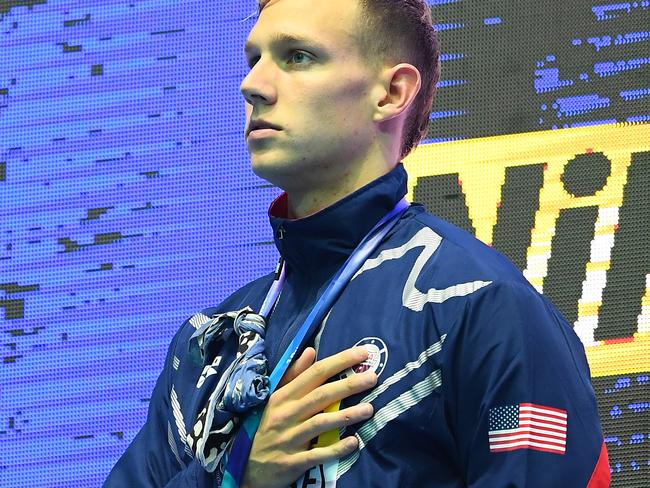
(238, 456)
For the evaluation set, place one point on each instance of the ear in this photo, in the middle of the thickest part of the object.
(400, 85)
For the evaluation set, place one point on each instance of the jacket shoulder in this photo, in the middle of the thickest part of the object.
(463, 257)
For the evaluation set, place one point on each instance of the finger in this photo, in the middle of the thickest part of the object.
(325, 422)
(323, 396)
(305, 360)
(320, 371)
(321, 455)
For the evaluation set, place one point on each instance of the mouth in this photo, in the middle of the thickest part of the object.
(261, 127)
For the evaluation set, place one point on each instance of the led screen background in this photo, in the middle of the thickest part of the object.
(127, 202)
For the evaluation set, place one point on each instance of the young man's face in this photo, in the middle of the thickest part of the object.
(309, 81)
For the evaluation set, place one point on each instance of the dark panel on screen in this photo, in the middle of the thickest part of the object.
(574, 231)
(625, 416)
(516, 214)
(565, 66)
(443, 196)
(626, 279)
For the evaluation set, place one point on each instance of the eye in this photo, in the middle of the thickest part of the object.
(300, 58)
(252, 61)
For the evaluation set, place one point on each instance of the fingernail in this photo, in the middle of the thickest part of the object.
(362, 351)
(366, 409)
(351, 442)
(370, 378)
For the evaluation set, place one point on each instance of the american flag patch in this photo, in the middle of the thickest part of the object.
(527, 426)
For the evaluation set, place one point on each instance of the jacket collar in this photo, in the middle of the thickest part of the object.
(316, 245)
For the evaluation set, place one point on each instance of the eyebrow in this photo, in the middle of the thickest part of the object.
(283, 39)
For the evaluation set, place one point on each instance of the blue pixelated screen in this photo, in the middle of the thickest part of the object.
(127, 202)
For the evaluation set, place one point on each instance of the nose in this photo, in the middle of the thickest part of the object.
(258, 86)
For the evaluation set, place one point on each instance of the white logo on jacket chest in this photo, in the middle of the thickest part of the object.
(377, 357)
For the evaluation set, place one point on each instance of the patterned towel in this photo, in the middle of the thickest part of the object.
(243, 384)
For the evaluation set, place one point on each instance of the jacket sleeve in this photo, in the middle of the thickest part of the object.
(519, 396)
(149, 460)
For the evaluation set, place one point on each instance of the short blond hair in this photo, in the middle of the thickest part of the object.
(401, 31)
(261, 4)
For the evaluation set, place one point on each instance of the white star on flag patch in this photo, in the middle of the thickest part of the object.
(527, 426)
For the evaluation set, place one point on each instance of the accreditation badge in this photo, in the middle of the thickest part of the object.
(323, 475)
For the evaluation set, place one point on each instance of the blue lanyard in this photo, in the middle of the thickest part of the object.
(238, 456)
(274, 291)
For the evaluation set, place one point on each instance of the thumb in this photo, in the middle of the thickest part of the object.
(305, 360)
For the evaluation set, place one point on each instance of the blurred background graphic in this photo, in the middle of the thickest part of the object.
(127, 203)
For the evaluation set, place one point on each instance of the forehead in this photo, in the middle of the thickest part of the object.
(330, 21)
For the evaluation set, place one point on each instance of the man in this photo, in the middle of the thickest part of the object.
(463, 375)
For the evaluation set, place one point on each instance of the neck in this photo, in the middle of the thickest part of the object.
(326, 184)
(304, 202)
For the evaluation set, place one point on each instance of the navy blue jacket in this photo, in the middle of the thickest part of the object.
(482, 383)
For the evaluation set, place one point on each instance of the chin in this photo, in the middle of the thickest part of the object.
(282, 174)
(271, 170)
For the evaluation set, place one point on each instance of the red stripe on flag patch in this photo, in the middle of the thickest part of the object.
(527, 426)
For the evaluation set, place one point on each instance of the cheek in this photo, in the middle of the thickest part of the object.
(350, 89)
(346, 101)
(335, 105)
(248, 112)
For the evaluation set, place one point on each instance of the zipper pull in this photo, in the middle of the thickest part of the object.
(278, 268)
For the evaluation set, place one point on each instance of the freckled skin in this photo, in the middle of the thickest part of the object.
(326, 105)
